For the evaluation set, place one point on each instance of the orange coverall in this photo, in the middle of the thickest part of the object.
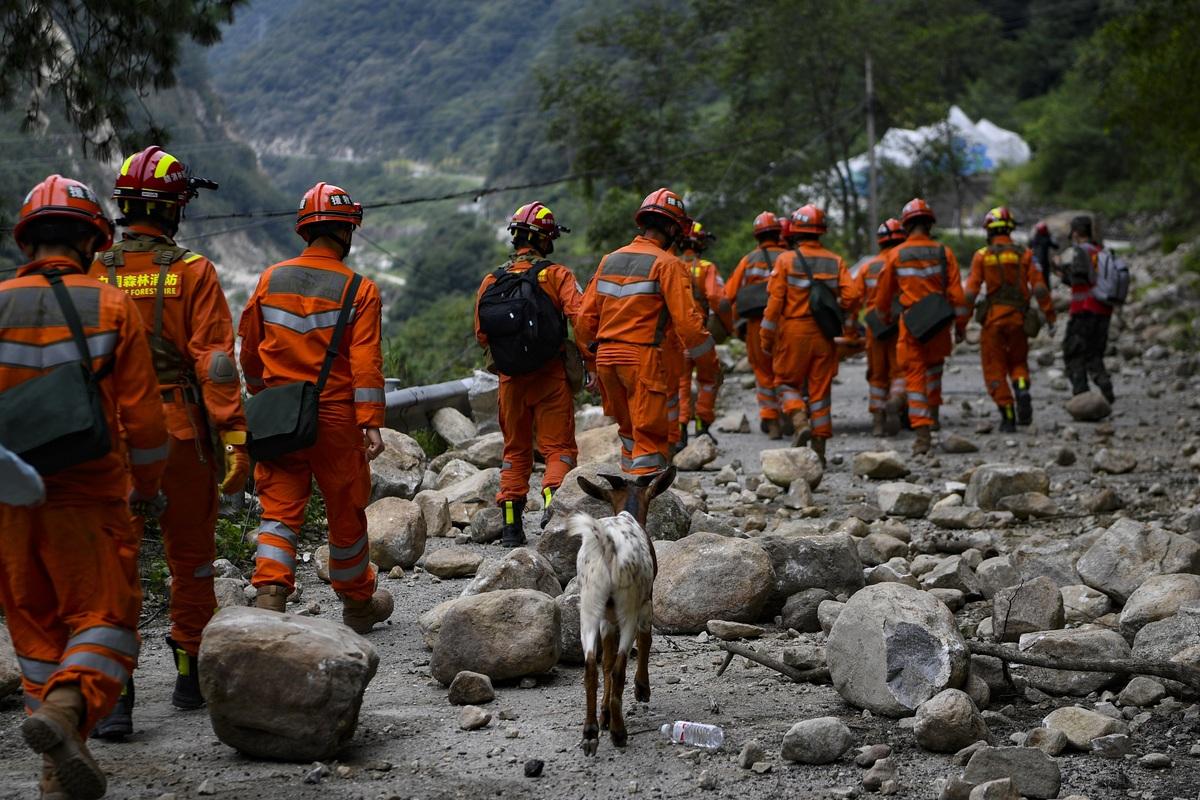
(636, 293)
(911, 271)
(708, 291)
(885, 374)
(756, 267)
(540, 402)
(1007, 270)
(286, 328)
(804, 360)
(69, 596)
(195, 319)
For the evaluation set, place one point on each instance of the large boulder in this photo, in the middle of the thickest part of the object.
(667, 519)
(504, 634)
(452, 562)
(894, 647)
(992, 482)
(1033, 773)
(826, 561)
(471, 495)
(1082, 604)
(1081, 725)
(436, 512)
(486, 451)
(887, 465)
(785, 465)
(993, 574)
(307, 717)
(397, 472)
(396, 529)
(598, 445)
(560, 547)
(706, 576)
(1166, 639)
(1029, 607)
(903, 499)
(10, 669)
(454, 426)
(570, 647)
(1129, 553)
(1161, 596)
(1092, 642)
(520, 568)
(454, 471)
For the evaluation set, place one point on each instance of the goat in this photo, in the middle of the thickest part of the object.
(617, 566)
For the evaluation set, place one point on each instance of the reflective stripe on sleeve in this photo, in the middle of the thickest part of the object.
(767, 325)
(702, 348)
(369, 396)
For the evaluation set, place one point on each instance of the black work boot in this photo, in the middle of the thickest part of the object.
(1008, 420)
(1024, 408)
(187, 679)
(119, 722)
(547, 498)
(513, 532)
(705, 429)
(1107, 390)
(683, 435)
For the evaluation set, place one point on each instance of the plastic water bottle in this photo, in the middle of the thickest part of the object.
(708, 737)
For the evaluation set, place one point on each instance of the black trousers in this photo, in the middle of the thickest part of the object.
(1083, 351)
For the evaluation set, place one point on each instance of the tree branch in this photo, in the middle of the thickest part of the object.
(818, 675)
(1122, 666)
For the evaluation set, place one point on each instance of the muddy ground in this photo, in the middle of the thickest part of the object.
(408, 744)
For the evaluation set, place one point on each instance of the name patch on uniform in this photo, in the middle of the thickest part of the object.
(145, 284)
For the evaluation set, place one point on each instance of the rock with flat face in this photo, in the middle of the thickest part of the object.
(1092, 643)
(705, 576)
(817, 741)
(453, 562)
(520, 568)
(993, 574)
(1081, 726)
(1113, 461)
(827, 562)
(398, 471)
(559, 546)
(700, 450)
(958, 518)
(307, 717)
(901, 499)
(570, 647)
(800, 610)
(600, 445)
(1027, 607)
(1161, 596)
(1084, 604)
(486, 451)
(992, 482)
(1033, 773)
(436, 512)
(894, 647)
(453, 426)
(396, 529)
(948, 722)
(503, 634)
(884, 465)
(1029, 505)
(1129, 553)
(785, 465)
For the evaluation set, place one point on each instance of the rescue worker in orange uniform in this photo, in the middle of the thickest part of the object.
(190, 331)
(70, 600)
(747, 290)
(286, 329)
(708, 291)
(537, 401)
(919, 268)
(885, 375)
(804, 357)
(1012, 278)
(637, 292)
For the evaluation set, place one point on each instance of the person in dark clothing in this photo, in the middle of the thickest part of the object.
(1087, 330)
(1041, 243)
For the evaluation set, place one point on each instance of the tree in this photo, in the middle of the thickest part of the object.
(90, 55)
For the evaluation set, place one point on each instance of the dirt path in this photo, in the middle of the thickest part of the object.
(408, 744)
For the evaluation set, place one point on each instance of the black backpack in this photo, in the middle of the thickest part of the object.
(524, 327)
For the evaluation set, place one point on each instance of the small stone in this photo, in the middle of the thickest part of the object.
(1081, 726)
(884, 465)
(881, 772)
(1064, 456)
(822, 740)
(751, 754)
(472, 718)
(732, 631)
(471, 688)
(1033, 773)
(761, 767)
(1114, 746)
(949, 721)
(344, 771)
(707, 780)
(450, 562)
(902, 499)
(527, 683)
(1001, 789)
(534, 767)
(867, 756)
(1088, 407)
(1156, 761)
(1115, 462)
(955, 444)
(1049, 740)
(1142, 692)
(206, 788)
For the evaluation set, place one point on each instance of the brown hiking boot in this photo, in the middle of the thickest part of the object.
(48, 786)
(936, 413)
(893, 414)
(801, 429)
(818, 446)
(773, 429)
(923, 442)
(361, 615)
(272, 597)
(877, 423)
(53, 731)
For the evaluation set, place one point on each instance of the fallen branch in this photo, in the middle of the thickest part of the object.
(818, 675)
(1122, 666)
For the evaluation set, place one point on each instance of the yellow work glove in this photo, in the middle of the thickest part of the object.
(237, 462)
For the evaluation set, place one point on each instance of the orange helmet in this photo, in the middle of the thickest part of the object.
(663, 203)
(536, 217)
(767, 223)
(917, 209)
(697, 237)
(154, 175)
(785, 228)
(64, 199)
(890, 232)
(999, 220)
(327, 203)
(808, 219)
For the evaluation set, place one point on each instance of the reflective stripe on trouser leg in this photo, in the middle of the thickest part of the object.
(933, 383)
(684, 396)
(878, 398)
(516, 424)
(792, 399)
(554, 428)
(341, 472)
(820, 414)
(275, 555)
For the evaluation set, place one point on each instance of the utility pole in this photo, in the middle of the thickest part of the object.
(873, 169)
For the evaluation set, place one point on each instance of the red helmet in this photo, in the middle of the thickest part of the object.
(917, 209)
(1042, 228)
(663, 203)
(808, 219)
(697, 237)
(328, 203)
(999, 220)
(64, 199)
(890, 232)
(536, 217)
(155, 175)
(767, 222)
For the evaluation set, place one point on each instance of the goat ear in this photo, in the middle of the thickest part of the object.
(662, 482)
(615, 481)
(592, 490)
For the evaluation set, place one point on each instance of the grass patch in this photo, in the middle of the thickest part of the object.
(431, 442)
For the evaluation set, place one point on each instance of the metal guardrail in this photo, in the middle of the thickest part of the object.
(411, 407)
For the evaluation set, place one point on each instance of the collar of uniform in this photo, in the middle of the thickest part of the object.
(145, 229)
(527, 250)
(1001, 239)
(320, 252)
(810, 244)
(645, 241)
(52, 264)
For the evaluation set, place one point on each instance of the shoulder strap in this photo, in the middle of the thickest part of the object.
(159, 296)
(336, 340)
(71, 315)
(807, 266)
(945, 269)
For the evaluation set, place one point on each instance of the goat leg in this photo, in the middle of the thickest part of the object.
(619, 735)
(610, 656)
(641, 678)
(591, 731)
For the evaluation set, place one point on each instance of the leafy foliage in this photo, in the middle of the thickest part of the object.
(437, 344)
